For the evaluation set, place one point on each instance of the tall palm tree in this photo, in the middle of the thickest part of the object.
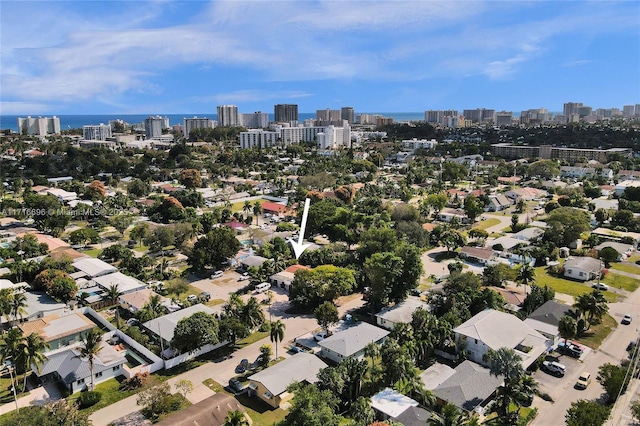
(33, 348)
(6, 297)
(412, 386)
(372, 350)
(506, 363)
(113, 292)
(277, 333)
(152, 309)
(526, 276)
(567, 327)
(252, 314)
(247, 207)
(10, 345)
(257, 210)
(91, 346)
(235, 418)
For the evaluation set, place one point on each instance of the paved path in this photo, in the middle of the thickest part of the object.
(38, 396)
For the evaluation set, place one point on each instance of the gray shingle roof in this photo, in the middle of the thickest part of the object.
(471, 385)
(300, 367)
(550, 312)
(71, 368)
(166, 324)
(354, 339)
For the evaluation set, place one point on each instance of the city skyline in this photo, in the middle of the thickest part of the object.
(170, 57)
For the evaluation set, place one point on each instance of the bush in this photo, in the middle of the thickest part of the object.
(265, 326)
(88, 399)
(135, 382)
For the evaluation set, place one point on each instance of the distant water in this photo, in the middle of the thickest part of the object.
(77, 121)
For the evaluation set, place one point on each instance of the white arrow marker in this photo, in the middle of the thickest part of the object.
(299, 247)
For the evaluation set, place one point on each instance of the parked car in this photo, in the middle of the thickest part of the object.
(415, 292)
(245, 276)
(626, 319)
(205, 295)
(600, 286)
(192, 298)
(554, 368)
(217, 274)
(583, 380)
(242, 367)
(570, 349)
(320, 336)
(236, 385)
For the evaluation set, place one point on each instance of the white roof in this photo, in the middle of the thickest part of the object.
(353, 339)
(391, 402)
(94, 267)
(498, 329)
(403, 311)
(298, 368)
(507, 243)
(435, 375)
(166, 324)
(125, 283)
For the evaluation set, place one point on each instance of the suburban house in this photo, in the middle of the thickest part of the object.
(448, 214)
(526, 194)
(481, 255)
(491, 329)
(125, 283)
(624, 250)
(546, 318)
(400, 313)
(470, 387)
(68, 368)
(272, 208)
(284, 279)
(40, 304)
(351, 342)
(271, 384)
(163, 327)
(497, 203)
(211, 411)
(59, 330)
(582, 268)
(528, 234)
(252, 260)
(93, 267)
(135, 301)
(391, 404)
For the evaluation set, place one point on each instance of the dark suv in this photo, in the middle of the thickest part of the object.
(570, 349)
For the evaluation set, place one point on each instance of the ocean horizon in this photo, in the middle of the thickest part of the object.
(76, 121)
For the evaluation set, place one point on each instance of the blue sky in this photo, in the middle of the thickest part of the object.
(86, 57)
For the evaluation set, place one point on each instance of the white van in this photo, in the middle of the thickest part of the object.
(217, 274)
(262, 287)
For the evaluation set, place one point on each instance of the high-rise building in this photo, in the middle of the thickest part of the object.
(347, 113)
(439, 116)
(40, 126)
(570, 108)
(584, 111)
(285, 113)
(479, 115)
(628, 110)
(255, 120)
(153, 127)
(191, 124)
(96, 133)
(228, 115)
(504, 118)
(328, 115)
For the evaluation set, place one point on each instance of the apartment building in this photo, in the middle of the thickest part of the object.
(100, 132)
(39, 126)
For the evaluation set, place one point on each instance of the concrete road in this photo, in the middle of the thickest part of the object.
(612, 350)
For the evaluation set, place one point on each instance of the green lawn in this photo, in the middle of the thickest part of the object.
(597, 333)
(111, 394)
(93, 252)
(214, 302)
(254, 337)
(237, 207)
(484, 224)
(6, 394)
(561, 285)
(621, 281)
(631, 268)
(260, 412)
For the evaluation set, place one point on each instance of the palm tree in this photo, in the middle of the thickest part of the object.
(506, 363)
(252, 314)
(10, 345)
(235, 418)
(113, 292)
(526, 276)
(33, 348)
(412, 386)
(361, 411)
(257, 210)
(450, 416)
(372, 350)
(277, 333)
(91, 346)
(152, 309)
(567, 327)
(6, 297)
(247, 207)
